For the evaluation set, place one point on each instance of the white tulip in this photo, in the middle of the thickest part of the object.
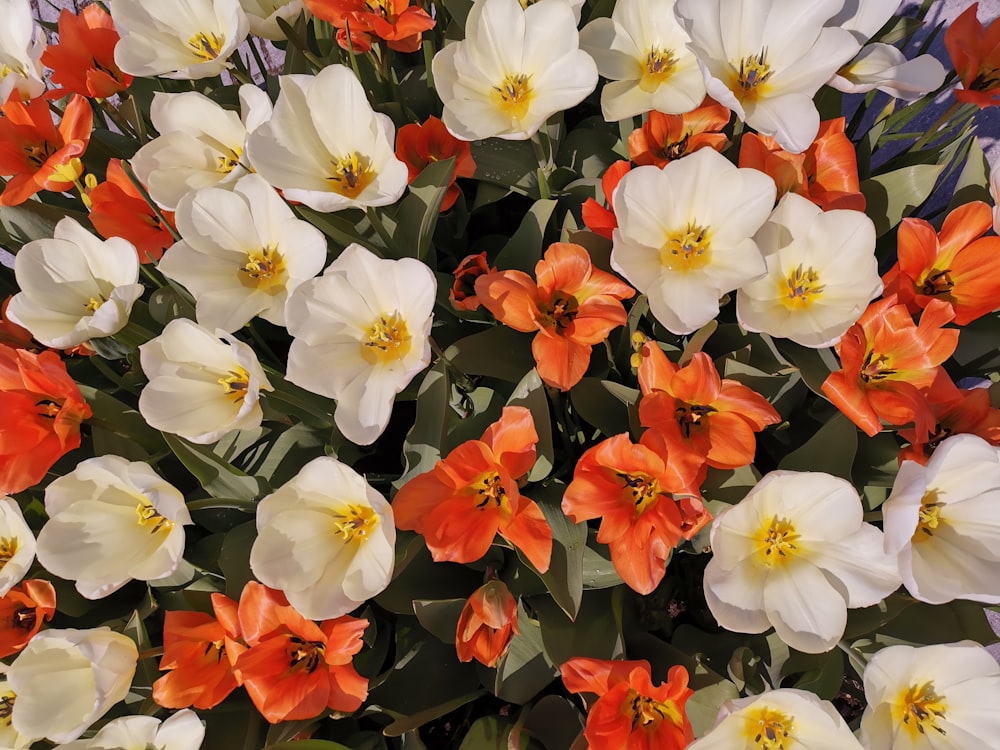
(75, 286)
(21, 45)
(178, 38)
(361, 333)
(942, 522)
(200, 144)
(325, 539)
(821, 273)
(199, 387)
(883, 67)
(642, 50)
(10, 738)
(941, 697)
(181, 731)
(509, 88)
(684, 235)
(263, 15)
(243, 252)
(794, 555)
(766, 59)
(111, 521)
(65, 680)
(326, 147)
(778, 719)
(17, 545)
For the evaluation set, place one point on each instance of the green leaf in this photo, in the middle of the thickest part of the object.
(895, 195)
(564, 578)
(486, 733)
(594, 632)
(524, 670)
(113, 416)
(554, 722)
(499, 352)
(832, 449)
(594, 400)
(419, 211)
(703, 707)
(429, 434)
(974, 179)
(525, 247)
(598, 571)
(506, 163)
(423, 579)
(308, 745)
(31, 220)
(218, 477)
(235, 558)
(530, 393)
(440, 618)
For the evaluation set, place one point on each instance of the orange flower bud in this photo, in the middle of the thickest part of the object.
(487, 624)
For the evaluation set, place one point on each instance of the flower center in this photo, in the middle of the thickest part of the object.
(235, 384)
(229, 160)
(264, 270)
(937, 283)
(94, 303)
(648, 713)
(988, 78)
(379, 7)
(489, 488)
(920, 708)
(206, 46)
(876, 368)
(387, 339)
(67, 171)
(769, 729)
(25, 618)
(660, 64)
(686, 249)
(8, 548)
(351, 174)
(750, 76)
(641, 490)
(692, 417)
(304, 655)
(513, 95)
(38, 153)
(929, 517)
(560, 312)
(776, 543)
(801, 288)
(7, 706)
(149, 516)
(355, 523)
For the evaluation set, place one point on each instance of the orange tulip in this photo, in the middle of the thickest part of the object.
(956, 411)
(956, 265)
(394, 21)
(472, 495)
(572, 307)
(41, 409)
(419, 145)
(596, 218)
(119, 210)
(22, 613)
(699, 415)
(630, 712)
(631, 488)
(294, 668)
(83, 61)
(826, 173)
(664, 138)
(975, 52)
(889, 365)
(463, 291)
(487, 624)
(199, 650)
(34, 154)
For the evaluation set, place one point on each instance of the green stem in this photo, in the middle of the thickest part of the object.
(934, 130)
(376, 221)
(544, 165)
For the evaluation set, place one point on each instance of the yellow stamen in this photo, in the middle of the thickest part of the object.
(686, 249)
(351, 174)
(94, 303)
(648, 713)
(7, 707)
(769, 729)
(749, 77)
(929, 517)
(640, 490)
(801, 288)
(68, 172)
(660, 64)
(206, 46)
(229, 160)
(355, 523)
(387, 339)
(919, 709)
(513, 95)
(489, 490)
(264, 270)
(777, 541)
(235, 384)
(8, 548)
(149, 516)
(304, 655)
